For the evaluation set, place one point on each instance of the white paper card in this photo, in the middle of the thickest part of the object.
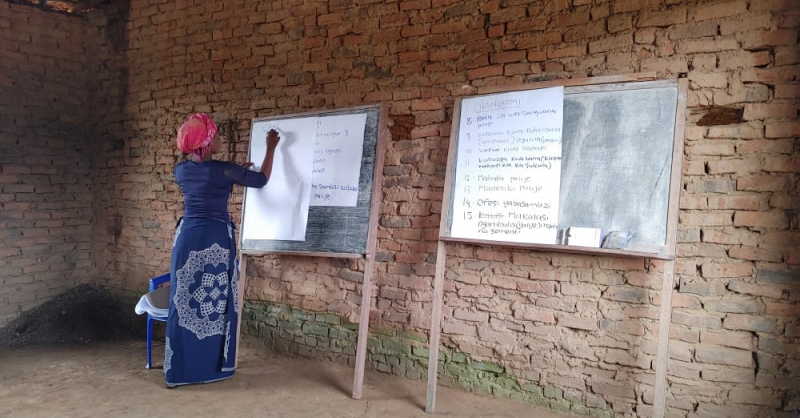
(337, 160)
(508, 167)
(279, 210)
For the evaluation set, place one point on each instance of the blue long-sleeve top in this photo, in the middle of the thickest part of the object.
(206, 186)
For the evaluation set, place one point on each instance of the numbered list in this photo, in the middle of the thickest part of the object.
(338, 149)
(508, 167)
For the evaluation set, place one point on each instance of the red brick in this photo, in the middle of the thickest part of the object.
(783, 129)
(445, 55)
(453, 27)
(742, 59)
(719, 10)
(772, 5)
(767, 290)
(764, 38)
(752, 323)
(735, 339)
(600, 11)
(782, 164)
(738, 166)
(519, 69)
(716, 44)
(698, 218)
(587, 324)
(724, 270)
(729, 374)
(572, 18)
(787, 91)
(555, 6)
(483, 72)
(770, 110)
(739, 131)
(693, 30)
(788, 310)
(570, 51)
(661, 18)
(773, 219)
(742, 202)
(508, 14)
(770, 75)
(641, 279)
(615, 42)
(624, 6)
(789, 20)
(769, 146)
(621, 264)
(764, 397)
(539, 40)
(787, 55)
(533, 24)
(763, 182)
(530, 313)
(754, 254)
(590, 31)
(714, 354)
(508, 56)
(694, 202)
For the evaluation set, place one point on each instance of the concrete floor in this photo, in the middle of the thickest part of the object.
(108, 380)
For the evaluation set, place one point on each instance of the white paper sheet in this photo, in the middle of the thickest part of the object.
(508, 167)
(279, 210)
(337, 160)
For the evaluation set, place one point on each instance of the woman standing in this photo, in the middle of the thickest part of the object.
(203, 315)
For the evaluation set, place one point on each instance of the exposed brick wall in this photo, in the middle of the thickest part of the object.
(578, 332)
(584, 327)
(45, 183)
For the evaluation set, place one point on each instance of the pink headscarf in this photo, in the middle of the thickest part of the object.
(196, 134)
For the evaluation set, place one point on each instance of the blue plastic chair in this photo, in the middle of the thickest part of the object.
(155, 282)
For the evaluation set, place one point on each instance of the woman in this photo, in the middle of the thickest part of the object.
(201, 326)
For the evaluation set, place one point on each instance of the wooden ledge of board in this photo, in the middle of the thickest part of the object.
(302, 254)
(567, 82)
(572, 249)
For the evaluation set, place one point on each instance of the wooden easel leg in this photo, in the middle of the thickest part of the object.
(436, 326)
(662, 358)
(240, 305)
(363, 327)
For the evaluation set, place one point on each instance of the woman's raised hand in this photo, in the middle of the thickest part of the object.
(272, 139)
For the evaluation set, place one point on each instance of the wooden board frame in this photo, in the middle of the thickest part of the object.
(372, 240)
(662, 252)
(669, 254)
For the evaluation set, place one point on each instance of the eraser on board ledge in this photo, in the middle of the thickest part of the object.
(583, 237)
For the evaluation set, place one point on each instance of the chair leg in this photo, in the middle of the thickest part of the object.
(149, 343)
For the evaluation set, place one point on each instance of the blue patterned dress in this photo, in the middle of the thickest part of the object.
(201, 326)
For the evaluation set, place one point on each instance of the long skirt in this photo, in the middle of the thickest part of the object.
(201, 326)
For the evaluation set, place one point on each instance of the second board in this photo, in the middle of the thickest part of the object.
(528, 166)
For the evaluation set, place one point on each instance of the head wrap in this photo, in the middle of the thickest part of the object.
(196, 134)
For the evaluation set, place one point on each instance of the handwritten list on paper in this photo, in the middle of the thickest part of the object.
(338, 149)
(508, 167)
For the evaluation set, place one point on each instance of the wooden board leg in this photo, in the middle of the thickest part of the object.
(240, 305)
(436, 324)
(363, 327)
(662, 358)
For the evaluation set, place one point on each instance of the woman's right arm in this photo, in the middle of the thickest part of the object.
(272, 142)
(240, 174)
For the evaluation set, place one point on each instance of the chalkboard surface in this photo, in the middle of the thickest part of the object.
(335, 230)
(618, 144)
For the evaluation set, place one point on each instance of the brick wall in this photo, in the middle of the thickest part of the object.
(570, 332)
(45, 183)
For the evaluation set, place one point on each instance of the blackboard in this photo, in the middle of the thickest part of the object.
(337, 231)
(622, 146)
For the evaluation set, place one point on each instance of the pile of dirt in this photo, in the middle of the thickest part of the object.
(80, 315)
